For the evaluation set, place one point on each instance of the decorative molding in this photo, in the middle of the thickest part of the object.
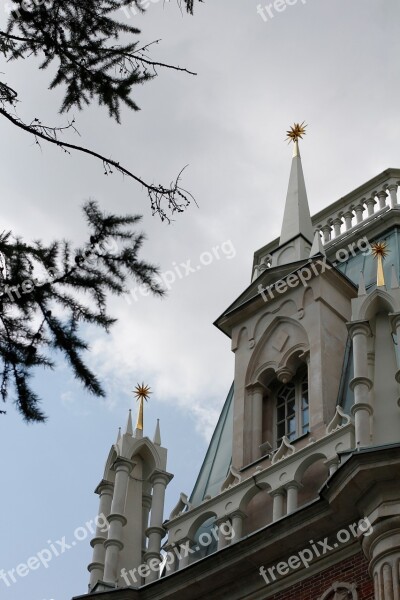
(285, 449)
(340, 591)
(233, 478)
(183, 503)
(280, 339)
(339, 420)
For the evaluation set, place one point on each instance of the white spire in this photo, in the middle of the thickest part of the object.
(157, 434)
(317, 246)
(361, 285)
(129, 427)
(119, 434)
(296, 219)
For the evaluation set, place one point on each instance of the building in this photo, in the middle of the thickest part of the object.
(298, 497)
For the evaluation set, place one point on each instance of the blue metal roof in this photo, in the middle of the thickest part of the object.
(218, 459)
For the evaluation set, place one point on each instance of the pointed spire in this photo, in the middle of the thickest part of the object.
(361, 285)
(157, 434)
(129, 427)
(296, 219)
(395, 280)
(380, 277)
(119, 434)
(317, 246)
(379, 251)
(142, 392)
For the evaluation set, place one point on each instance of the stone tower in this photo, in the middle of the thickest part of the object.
(132, 494)
(297, 498)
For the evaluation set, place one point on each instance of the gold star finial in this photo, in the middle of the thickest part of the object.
(142, 392)
(296, 132)
(380, 252)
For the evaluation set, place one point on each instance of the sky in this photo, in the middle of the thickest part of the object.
(334, 65)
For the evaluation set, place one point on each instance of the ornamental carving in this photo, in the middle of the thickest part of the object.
(340, 591)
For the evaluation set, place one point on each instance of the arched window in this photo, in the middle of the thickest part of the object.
(292, 409)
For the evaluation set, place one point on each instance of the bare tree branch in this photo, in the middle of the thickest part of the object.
(177, 197)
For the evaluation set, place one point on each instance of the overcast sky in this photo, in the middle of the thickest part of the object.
(333, 64)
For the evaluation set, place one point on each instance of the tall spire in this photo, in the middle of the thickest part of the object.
(129, 429)
(297, 219)
(142, 392)
(379, 251)
(157, 434)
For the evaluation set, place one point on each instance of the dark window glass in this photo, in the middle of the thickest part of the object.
(292, 412)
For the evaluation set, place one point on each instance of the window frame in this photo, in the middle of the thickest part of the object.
(302, 424)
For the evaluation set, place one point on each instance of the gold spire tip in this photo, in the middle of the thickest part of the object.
(142, 392)
(379, 249)
(380, 252)
(296, 132)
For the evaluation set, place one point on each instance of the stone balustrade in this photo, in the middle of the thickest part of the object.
(354, 209)
(281, 478)
(378, 195)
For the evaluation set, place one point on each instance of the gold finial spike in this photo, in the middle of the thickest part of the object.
(294, 134)
(142, 392)
(380, 252)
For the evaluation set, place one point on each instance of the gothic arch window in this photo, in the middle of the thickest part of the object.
(292, 408)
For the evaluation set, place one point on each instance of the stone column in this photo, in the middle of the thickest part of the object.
(146, 506)
(382, 199)
(96, 567)
(116, 519)
(359, 209)
(382, 548)
(222, 540)
(326, 232)
(361, 384)
(393, 194)
(257, 420)
(184, 546)
(278, 503)
(237, 519)
(395, 323)
(155, 532)
(337, 224)
(370, 202)
(171, 563)
(292, 490)
(348, 217)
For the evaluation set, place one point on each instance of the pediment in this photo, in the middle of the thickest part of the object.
(251, 293)
(259, 289)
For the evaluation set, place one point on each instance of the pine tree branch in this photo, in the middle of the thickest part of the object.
(41, 315)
